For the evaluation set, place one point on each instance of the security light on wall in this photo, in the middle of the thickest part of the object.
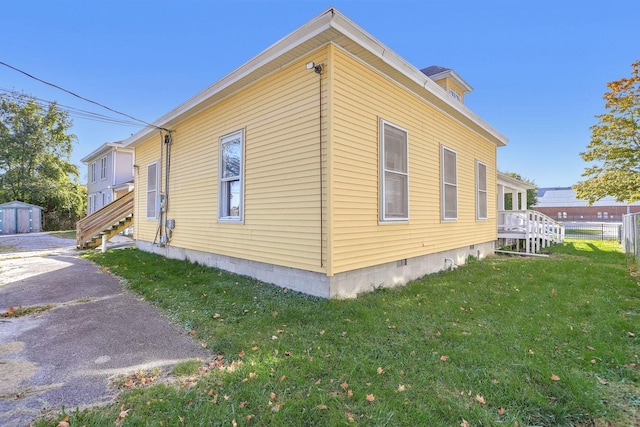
(317, 68)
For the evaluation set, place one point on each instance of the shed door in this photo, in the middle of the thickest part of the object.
(23, 220)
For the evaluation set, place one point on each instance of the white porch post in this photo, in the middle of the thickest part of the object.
(514, 199)
(524, 200)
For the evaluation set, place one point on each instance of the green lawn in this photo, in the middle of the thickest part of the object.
(505, 341)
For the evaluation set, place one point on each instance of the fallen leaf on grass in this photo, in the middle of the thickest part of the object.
(465, 423)
(122, 415)
(370, 397)
(380, 371)
(501, 411)
(444, 358)
(601, 381)
(401, 387)
(480, 399)
(631, 334)
(321, 407)
(554, 377)
(344, 385)
(350, 393)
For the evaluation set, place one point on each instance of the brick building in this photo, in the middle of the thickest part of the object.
(561, 203)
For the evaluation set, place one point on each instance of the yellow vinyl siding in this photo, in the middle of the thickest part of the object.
(360, 98)
(280, 118)
(145, 155)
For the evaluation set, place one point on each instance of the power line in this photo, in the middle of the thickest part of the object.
(72, 111)
(80, 97)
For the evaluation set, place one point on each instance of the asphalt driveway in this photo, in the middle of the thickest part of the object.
(96, 330)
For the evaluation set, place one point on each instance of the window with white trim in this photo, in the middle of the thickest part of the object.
(394, 173)
(449, 170)
(103, 168)
(152, 190)
(231, 183)
(481, 189)
(93, 172)
(455, 95)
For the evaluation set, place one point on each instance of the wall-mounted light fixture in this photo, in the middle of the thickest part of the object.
(317, 68)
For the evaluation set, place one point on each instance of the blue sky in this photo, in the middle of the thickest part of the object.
(538, 68)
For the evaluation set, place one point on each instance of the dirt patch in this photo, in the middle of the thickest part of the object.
(13, 372)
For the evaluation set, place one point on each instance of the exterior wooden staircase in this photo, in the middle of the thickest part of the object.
(110, 220)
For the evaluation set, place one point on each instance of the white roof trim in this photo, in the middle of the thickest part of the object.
(455, 76)
(511, 182)
(330, 20)
(103, 149)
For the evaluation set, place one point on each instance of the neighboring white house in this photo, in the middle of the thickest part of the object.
(109, 174)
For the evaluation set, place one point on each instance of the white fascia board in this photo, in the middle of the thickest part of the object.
(455, 76)
(514, 183)
(330, 19)
(104, 148)
(311, 29)
(360, 36)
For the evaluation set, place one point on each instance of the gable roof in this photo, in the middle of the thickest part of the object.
(103, 149)
(435, 72)
(514, 183)
(331, 26)
(551, 197)
(18, 204)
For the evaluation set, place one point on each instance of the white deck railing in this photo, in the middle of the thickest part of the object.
(535, 228)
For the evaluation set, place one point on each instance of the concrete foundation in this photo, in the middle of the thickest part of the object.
(342, 285)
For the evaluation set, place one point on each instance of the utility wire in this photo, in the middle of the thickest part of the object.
(73, 112)
(80, 97)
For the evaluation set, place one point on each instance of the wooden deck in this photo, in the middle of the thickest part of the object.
(110, 220)
(531, 228)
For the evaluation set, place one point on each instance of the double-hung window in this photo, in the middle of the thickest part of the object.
(103, 168)
(93, 172)
(481, 190)
(231, 183)
(394, 173)
(449, 184)
(152, 190)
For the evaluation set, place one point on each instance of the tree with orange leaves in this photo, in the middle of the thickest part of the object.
(615, 145)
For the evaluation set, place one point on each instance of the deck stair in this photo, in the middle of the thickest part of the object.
(534, 229)
(108, 221)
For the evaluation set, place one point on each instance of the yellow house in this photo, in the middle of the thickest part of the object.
(327, 164)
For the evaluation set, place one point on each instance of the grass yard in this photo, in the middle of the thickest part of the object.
(506, 341)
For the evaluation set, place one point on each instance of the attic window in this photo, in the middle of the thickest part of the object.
(455, 95)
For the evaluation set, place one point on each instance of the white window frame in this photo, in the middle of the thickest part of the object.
(93, 172)
(103, 168)
(384, 215)
(446, 184)
(152, 193)
(481, 193)
(224, 214)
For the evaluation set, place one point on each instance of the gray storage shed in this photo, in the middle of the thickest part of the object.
(19, 217)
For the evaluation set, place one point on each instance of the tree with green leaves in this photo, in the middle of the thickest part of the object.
(35, 160)
(615, 145)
